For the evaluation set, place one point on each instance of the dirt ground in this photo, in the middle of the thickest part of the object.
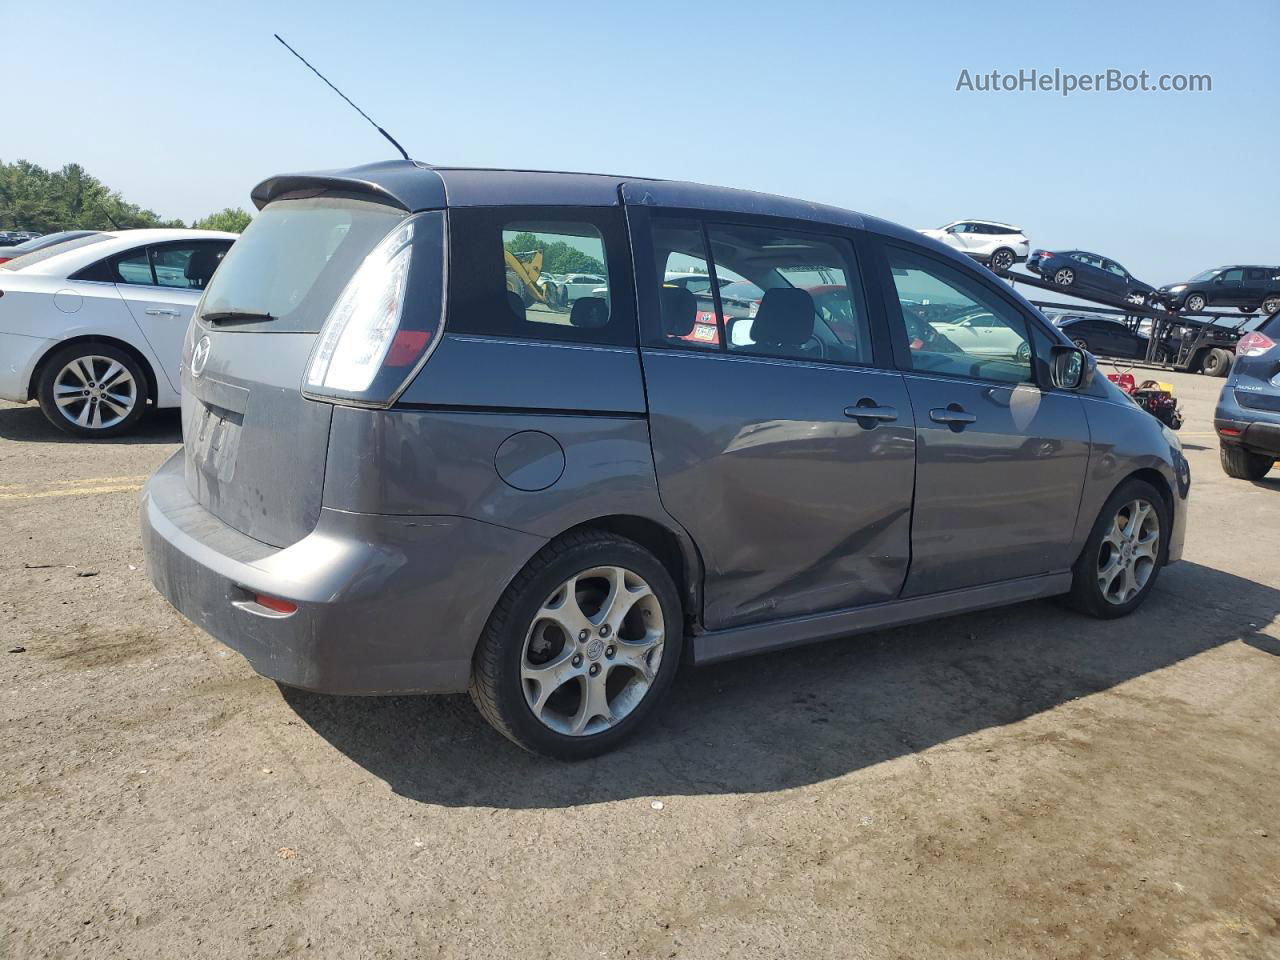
(1018, 783)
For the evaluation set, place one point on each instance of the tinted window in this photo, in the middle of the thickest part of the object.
(686, 303)
(187, 266)
(1255, 275)
(133, 267)
(1112, 267)
(541, 273)
(954, 325)
(809, 302)
(294, 259)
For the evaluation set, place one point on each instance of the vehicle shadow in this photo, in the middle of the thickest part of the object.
(789, 719)
(28, 424)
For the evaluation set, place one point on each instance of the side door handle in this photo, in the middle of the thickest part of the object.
(953, 415)
(868, 413)
(160, 312)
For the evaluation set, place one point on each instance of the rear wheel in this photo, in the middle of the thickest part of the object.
(92, 390)
(1271, 304)
(1217, 363)
(581, 647)
(1002, 260)
(1082, 343)
(1240, 464)
(1122, 558)
(1064, 277)
(1246, 309)
(1195, 303)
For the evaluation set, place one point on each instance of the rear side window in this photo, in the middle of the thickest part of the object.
(541, 273)
(294, 259)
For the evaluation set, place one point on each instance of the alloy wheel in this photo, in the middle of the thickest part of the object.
(1064, 277)
(1129, 552)
(592, 652)
(95, 392)
(1002, 261)
(1195, 303)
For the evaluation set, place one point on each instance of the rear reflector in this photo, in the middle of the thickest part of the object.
(1229, 431)
(406, 348)
(274, 603)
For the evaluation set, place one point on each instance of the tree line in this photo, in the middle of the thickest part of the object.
(557, 256)
(45, 201)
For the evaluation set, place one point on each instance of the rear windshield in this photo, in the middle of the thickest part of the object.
(294, 259)
(53, 250)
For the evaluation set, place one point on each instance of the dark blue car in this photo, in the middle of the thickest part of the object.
(1091, 274)
(1248, 414)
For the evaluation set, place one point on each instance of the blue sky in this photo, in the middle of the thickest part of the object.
(184, 107)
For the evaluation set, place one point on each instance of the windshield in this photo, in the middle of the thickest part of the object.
(52, 250)
(1202, 275)
(294, 259)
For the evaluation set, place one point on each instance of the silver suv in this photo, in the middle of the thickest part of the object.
(408, 469)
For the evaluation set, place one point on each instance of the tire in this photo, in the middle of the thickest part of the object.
(73, 399)
(1097, 563)
(1194, 303)
(1082, 343)
(1246, 309)
(1239, 464)
(1271, 304)
(1001, 261)
(525, 636)
(1216, 363)
(1064, 276)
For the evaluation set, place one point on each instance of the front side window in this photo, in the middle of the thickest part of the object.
(188, 266)
(1232, 276)
(539, 273)
(956, 327)
(1112, 267)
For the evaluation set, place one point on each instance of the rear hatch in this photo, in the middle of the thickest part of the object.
(255, 414)
(1256, 373)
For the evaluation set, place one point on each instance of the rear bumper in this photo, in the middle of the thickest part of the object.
(384, 604)
(18, 358)
(1259, 430)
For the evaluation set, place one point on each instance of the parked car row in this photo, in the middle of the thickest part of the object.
(9, 238)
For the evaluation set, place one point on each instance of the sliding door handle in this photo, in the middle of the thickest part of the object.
(954, 416)
(868, 410)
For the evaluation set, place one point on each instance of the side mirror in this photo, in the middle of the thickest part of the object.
(1069, 367)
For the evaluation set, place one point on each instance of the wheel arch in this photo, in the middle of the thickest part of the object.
(675, 550)
(143, 362)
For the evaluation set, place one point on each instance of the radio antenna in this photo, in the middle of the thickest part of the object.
(403, 152)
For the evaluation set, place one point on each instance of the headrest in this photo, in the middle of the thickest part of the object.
(679, 308)
(785, 318)
(589, 312)
(201, 264)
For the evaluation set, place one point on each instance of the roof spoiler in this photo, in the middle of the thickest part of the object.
(406, 184)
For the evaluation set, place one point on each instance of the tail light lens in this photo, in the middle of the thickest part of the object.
(1254, 344)
(371, 345)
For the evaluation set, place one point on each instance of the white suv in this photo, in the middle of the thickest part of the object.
(997, 245)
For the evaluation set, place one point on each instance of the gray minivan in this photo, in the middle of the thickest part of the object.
(407, 467)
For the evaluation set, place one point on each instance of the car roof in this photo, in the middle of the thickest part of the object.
(415, 186)
(117, 241)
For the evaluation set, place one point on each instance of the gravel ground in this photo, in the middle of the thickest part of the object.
(1017, 783)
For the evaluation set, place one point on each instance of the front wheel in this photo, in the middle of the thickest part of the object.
(92, 390)
(1239, 464)
(1122, 557)
(581, 647)
(1194, 303)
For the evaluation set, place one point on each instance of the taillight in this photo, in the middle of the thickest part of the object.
(1254, 344)
(371, 344)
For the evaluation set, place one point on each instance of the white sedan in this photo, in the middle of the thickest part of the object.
(981, 334)
(93, 328)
